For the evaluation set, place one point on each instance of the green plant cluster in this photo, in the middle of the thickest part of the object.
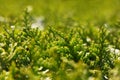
(79, 53)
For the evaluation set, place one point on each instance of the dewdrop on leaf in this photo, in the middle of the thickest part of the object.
(12, 27)
(91, 78)
(113, 50)
(44, 72)
(88, 39)
(117, 51)
(47, 78)
(40, 68)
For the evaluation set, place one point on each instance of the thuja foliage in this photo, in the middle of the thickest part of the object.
(81, 53)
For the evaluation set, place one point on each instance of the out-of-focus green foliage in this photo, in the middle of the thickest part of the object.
(59, 40)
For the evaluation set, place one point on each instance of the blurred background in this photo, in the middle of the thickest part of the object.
(57, 12)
